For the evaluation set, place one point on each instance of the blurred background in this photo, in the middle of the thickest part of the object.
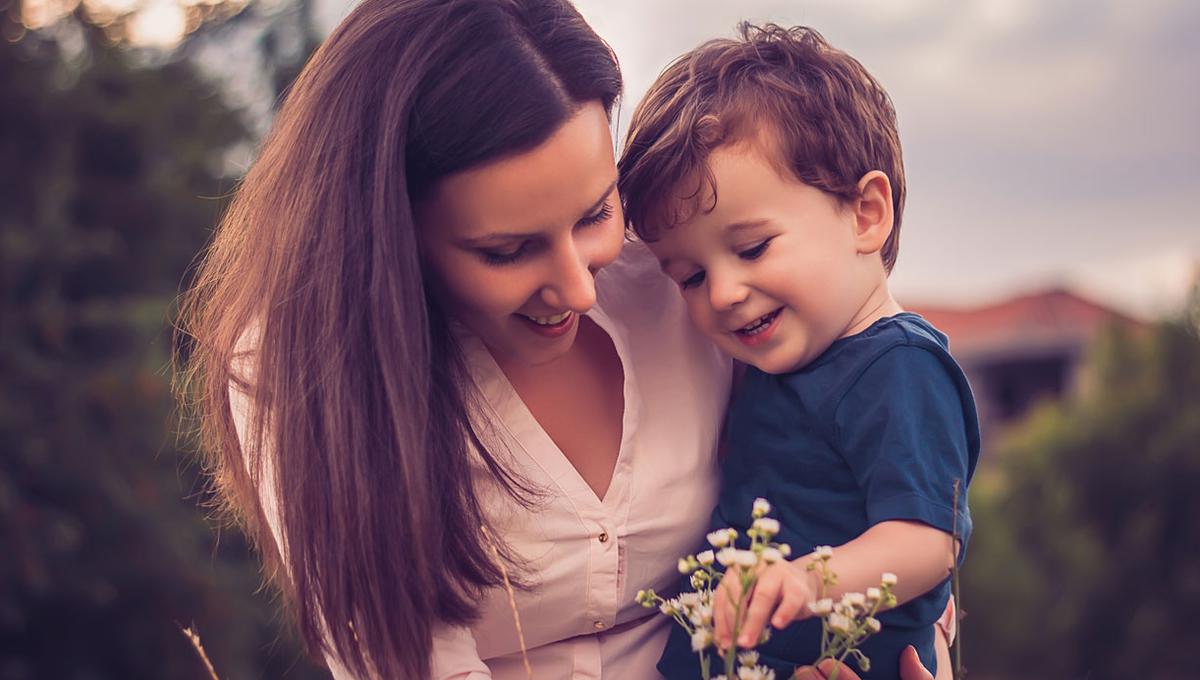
(1053, 159)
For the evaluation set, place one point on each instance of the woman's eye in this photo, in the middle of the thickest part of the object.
(599, 216)
(755, 252)
(495, 257)
(692, 281)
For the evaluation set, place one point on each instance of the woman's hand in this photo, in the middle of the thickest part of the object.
(910, 669)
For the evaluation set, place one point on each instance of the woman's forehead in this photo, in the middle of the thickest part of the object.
(553, 184)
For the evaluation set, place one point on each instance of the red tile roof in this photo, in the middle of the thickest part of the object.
(1053, 319)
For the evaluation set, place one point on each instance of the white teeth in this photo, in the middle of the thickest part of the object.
(548, 320)
(757, 326)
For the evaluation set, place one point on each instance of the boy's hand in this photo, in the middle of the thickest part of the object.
(782, 593)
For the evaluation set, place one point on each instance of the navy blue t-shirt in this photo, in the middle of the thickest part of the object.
(879, 427)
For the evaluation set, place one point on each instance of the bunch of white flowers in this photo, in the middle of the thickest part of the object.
(845, 624)
(694, 611)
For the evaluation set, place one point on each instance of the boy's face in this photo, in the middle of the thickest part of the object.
(777, 270)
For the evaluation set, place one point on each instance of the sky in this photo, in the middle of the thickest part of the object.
(1046, 143)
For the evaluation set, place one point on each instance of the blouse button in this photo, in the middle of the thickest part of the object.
(603, 537)
(598, 624)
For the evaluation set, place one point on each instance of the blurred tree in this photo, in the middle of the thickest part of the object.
(1086, 555)
(110, 182)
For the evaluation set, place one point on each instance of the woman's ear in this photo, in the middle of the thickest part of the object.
(873, 212)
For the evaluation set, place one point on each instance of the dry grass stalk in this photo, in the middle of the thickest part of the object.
(195, 640)
(512, 601)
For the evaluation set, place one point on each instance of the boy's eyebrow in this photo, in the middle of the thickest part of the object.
(746, 224)
(506, 235)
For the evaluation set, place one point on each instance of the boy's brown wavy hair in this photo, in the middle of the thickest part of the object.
(814, 110)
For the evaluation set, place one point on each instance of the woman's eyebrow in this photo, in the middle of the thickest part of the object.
(515, 235)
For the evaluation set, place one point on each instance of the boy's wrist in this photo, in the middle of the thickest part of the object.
(810, 578)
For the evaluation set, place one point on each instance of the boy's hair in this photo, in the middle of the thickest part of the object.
(813, 109)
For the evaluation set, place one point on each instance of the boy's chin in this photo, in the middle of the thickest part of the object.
(775, 363)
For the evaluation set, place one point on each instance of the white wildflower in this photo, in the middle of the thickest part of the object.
(785, 549)
(772, 555)
(821, 607)
(889, 579)
(761, 507)
(755, 673)
(745, 558)
(719, 538)
(854, 599)
(873, 624)
(705, 558)
(684, 566)
(748, 658)
(701, 639)
(839, 623)
(669, 607)
(767, 525)
(874, 595)
(822, 552)
(701, 616)
(725, 556)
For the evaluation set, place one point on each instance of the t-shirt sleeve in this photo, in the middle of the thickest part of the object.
(902, 427)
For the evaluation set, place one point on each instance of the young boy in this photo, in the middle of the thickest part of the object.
(765, 173)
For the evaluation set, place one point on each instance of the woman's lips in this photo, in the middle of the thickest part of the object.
(550, 330)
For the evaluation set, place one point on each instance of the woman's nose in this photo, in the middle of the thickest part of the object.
(572, 281)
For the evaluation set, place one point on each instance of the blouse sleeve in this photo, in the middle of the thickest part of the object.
(453, 656)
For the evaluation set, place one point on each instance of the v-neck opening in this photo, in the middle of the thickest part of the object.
(558, 466)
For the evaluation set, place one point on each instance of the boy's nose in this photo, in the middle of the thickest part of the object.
(725, 294)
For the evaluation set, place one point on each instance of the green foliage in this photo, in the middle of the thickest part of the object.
(109, 178)
(1085, 560)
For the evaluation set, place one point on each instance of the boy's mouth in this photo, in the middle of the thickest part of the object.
(757, 331)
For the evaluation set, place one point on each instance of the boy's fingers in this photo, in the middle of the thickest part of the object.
(719, 625)
(762, 603)
(722, 616)
(790, 608)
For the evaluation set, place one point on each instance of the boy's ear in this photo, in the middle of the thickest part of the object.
(873, 212)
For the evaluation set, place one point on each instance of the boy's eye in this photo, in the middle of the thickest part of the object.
(754, 252)
(497, 257)
(693, 280)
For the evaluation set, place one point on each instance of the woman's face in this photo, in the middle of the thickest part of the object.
(514, 244)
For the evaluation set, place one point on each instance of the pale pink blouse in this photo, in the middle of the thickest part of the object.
(586, 556)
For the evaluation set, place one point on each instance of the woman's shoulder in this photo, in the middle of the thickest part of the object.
(635, 285)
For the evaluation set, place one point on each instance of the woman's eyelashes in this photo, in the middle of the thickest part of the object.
(599, 216)
(494, 257)
(530, 246)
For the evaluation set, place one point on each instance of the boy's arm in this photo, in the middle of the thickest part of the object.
(919, 555)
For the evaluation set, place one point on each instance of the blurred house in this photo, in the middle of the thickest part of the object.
(1018, 351)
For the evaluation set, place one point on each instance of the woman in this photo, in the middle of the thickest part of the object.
(427, 364)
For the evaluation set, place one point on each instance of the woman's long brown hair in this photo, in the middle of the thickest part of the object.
(314, 285)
